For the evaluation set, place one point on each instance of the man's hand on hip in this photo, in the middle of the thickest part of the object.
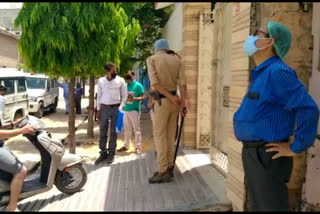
(282, 149)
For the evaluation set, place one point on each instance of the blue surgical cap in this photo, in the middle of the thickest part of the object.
(161, 44)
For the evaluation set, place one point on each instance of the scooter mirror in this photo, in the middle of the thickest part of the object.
(24, 122)
(36, 123)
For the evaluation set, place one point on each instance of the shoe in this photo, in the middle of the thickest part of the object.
(170, 171)
(103, 156)
(122, 149)
(110, 158)
(158, 177)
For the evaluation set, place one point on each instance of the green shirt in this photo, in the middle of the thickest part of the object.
(137, 90)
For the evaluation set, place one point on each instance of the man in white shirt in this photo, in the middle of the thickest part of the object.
(112, 94)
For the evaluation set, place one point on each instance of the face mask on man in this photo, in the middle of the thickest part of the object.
(128, 78)
(249, 46)
(113, 75)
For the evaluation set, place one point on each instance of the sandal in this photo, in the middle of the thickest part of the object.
(122, 149)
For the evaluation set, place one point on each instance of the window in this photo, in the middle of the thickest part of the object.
(21, 85)
(9, 84)
(36, 83)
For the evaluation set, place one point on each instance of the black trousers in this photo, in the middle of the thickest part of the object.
(78, 104)
(266, 179)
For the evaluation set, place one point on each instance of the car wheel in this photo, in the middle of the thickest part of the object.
(40, 111)
(54, 108)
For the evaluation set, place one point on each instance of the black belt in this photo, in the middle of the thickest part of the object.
(174, 93)
(257, 144)
(111, 106)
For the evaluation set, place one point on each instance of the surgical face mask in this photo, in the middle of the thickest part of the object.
(249, 46)
(113, 75)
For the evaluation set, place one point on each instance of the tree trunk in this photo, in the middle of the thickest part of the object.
(72, 117)
(84, 87)
(90, 132)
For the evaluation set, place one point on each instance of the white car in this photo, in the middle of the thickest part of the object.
(43, 93)
(16, 105)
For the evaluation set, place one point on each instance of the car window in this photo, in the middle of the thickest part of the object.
(9, 84)
(36, 83)
(21, 85)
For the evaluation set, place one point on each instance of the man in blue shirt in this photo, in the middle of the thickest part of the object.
(65, 88)
(275, 108)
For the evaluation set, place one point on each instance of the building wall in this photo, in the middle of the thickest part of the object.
(8, 50)
(239, 67)
(173, 28)
(7, 17)
(312, 187)
(206, 85)
(190, 57)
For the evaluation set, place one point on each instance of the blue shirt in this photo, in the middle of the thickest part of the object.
(65, 89)
(275, 102)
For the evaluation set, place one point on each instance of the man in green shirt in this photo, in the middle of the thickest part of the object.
(131, 117)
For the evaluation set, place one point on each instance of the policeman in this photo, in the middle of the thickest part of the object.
(166, 75)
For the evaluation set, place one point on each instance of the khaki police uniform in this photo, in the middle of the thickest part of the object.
(166, 69)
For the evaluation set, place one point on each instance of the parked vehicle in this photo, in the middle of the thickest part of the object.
(43, 94)
(65, 171)
(16, 95)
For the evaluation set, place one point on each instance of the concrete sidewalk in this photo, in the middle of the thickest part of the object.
(123, 186)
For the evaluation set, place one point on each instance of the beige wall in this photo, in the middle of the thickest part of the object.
(173, 28)
(190, 58)
(239, 66)
(205, 81)
(8, 50)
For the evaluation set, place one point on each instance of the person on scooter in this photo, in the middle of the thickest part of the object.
(10, 163)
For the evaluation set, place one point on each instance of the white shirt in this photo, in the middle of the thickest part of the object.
(111, 92)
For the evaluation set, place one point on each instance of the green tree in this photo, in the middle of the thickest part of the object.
(127, 57)
(151, 21)
(69, 40)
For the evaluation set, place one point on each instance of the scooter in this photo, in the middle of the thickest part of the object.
(65, 171)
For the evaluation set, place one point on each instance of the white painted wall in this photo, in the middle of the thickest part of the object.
(173, 28)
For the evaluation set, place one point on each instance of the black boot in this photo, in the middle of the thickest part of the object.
(103, 156)
(110, 158)
(163, 177)
(170, 171)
